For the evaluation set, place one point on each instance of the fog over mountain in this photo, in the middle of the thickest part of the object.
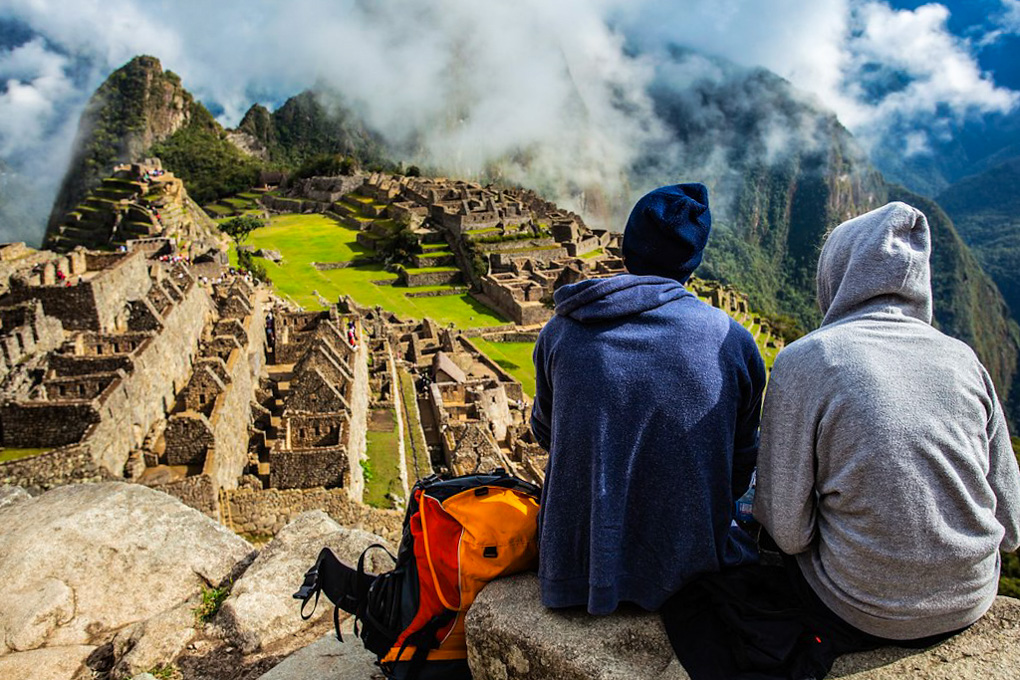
(553, 95)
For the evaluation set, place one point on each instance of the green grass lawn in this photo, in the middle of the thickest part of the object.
(514, 358)
(16, 454)
(413, 439)
(383, 448)
(303, 239)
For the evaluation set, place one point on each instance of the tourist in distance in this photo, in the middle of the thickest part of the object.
(648, 402)
(886, 469)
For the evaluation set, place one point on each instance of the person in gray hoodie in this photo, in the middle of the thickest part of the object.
(885, 466)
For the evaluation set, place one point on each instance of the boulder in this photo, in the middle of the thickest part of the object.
(261, 609)
(9, 495)
(155, 642)
(511, 636)
(82, 561)
(49, 663)
(327, 657)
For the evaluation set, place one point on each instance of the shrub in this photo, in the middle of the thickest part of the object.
(212, 599)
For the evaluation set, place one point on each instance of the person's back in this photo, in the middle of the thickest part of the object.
(648, 401)
(886, 466)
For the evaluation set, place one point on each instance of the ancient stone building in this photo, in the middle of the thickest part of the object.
(321, 370)
(207, 432)
(130, 330)
(138, 201)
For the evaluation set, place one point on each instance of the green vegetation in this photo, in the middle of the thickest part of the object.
(416, 451)
(303, 239)
(239, 228)
(314, 128)
(165, 672)
(212, 599)
(256, 538)
(328, 165)
(17, 454)
(514, 358)
(383, 451)
(247, 262)
(208, 163)
(366, 470)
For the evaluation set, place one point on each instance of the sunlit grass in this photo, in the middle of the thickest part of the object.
(303, 239)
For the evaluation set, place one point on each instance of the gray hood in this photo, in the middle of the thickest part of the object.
(877, 262)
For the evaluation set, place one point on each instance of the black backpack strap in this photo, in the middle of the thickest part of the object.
(362, 584)
(424, 640)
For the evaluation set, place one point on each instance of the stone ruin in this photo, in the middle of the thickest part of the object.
(315, 405)
(473, 413)
(139, 201)
(128, 332)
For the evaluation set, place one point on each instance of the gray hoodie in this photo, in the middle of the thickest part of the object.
(885, 462)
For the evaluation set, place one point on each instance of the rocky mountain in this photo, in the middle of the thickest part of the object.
(138, 105)
(308, 125)
(785, 173)
(986, 209)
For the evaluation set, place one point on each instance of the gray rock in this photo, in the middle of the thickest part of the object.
(261, 609)
(9, 495)
(154, 642)
(50, 663)
(83, 561)
(144, 676)
(328, 658)
(510, 635)
(271, 255)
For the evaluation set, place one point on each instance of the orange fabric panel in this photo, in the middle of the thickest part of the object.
(504, 520)
(442, 536)
(429, 604)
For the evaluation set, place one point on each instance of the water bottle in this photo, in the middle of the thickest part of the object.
(745, 504)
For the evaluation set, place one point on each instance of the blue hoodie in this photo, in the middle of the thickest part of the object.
(648, 402)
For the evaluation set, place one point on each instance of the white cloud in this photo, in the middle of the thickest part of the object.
(1010, 20)
(554, 86)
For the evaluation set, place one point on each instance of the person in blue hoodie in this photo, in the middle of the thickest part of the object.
(648, 401)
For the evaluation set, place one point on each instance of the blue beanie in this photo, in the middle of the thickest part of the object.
(667, 232)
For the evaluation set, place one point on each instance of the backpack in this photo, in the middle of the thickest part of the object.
(458, 534)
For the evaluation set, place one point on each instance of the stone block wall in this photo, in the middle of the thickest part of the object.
(162, 368)
(230, 420)
(42, 424)
(504, 258)
(197, 491)
(67, 465)
(267, 511)
(358, 400)
(440, 278)
(522, 313)
(74, 364)
(189, 437)
(325, 467)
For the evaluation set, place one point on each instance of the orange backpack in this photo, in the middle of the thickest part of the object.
(459, 534)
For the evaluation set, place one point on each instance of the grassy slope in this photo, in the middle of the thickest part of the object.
(303, 239)
(15, 454)
(514, 357)
(383, 450)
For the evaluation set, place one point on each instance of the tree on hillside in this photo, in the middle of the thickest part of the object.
(239, 228)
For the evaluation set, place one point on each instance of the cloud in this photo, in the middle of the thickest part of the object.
(1010, 20)
(557, 93)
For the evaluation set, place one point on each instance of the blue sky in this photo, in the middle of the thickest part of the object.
(975, 19)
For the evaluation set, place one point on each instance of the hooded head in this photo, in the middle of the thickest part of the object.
(667, 232)
(877, 262)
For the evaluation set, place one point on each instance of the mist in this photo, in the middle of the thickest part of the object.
(553, 96)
